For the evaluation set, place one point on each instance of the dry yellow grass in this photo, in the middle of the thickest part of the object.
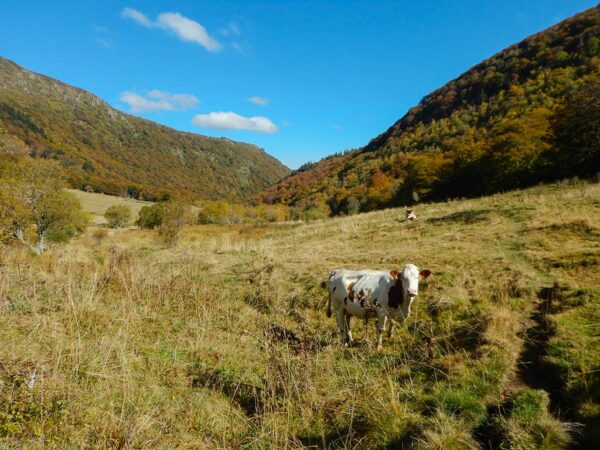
(97, 204)
(222, 341)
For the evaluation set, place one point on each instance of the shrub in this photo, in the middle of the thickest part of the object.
(150, 217)
(175, 214)
(99, 235)
(352, 206)
(118, 216)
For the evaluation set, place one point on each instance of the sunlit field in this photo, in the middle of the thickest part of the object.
(97, 204)
(222, 341)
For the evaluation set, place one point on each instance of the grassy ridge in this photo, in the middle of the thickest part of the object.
(121, 154)
(223, 342)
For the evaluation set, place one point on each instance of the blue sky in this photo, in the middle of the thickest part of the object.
(302, 79)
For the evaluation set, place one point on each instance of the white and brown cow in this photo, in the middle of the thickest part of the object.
(340, 286)
(410, 215)
(373, 293)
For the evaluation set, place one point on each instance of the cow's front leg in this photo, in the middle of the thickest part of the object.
(348, 331)
(380, 329)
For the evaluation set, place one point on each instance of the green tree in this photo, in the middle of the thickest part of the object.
(150, 217)
(214, 212)
(118, 216)
(352, 205)
(175, 214)
(34, 207)
(576, 129)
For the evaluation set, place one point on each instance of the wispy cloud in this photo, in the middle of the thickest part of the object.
(232, 121)
(100, 29)
(102, 36)
(187, 30)
(103, 42)
(158, 101)
(259, 100)
(139, 17)
(232, 28)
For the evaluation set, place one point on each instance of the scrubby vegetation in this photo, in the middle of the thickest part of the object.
(118, 216)
(221, 341)
(34, 206)
(105, 150)
(527, 115)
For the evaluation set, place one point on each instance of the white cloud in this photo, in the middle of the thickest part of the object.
(180, 101)
(139, 17)
(258, 100)
(158, 101)
(233, 121)
(186, 29)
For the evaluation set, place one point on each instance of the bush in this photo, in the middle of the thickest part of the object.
(150, 217)
(118, 216)
(99, 235)
(175, 214)
(352, 206)
(214, 212)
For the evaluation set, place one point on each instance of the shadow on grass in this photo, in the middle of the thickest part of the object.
(247, 396)
(465, 217)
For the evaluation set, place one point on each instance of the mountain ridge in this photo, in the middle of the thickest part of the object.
(110, 151)
(464, 138)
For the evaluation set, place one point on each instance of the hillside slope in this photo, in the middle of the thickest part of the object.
(120, 154)
(223, 341)
(491, 129)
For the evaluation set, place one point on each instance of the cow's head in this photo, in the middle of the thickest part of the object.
(410, 277)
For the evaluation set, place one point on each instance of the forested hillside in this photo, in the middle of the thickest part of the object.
(529, 114)
(112, 152)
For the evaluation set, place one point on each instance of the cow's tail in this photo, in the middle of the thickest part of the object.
(324, 284)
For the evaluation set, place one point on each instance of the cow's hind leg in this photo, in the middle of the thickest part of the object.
(391, 328)
(341, 323)
(350, 341)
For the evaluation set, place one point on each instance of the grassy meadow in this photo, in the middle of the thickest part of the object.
(222, 341)
(96, 204)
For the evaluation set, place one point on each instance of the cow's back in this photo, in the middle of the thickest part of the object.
(376, 286)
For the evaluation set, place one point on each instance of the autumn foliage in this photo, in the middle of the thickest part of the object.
(527, 115)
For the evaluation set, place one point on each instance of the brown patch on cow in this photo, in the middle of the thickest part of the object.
(350, 293)
(361, 298)
(395, 295)
(394, 274)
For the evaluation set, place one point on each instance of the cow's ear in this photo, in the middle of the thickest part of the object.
(394, 274)
(424, 274)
